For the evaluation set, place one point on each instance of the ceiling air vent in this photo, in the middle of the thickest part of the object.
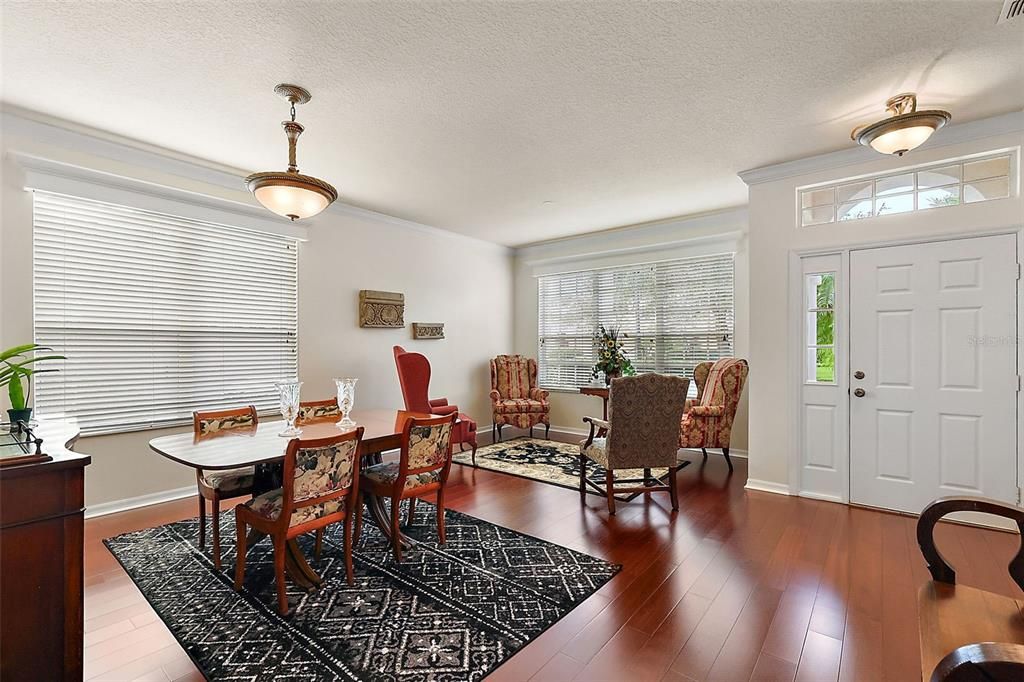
(1012, 9)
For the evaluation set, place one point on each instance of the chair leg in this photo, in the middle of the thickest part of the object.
(215, 527)
(319, 544)
(347, 530)
(725, 451)
(358, 530)
(396, 513)
(531, 430)
(202, 523)
(440, 517)
(473, 456)
(583, 478)
(282, 593)
(609, 488)
(672, 492)
(240, 550)
(412, 510)
(499, 432)
(547, 431)
(494, 433)
(704, 451)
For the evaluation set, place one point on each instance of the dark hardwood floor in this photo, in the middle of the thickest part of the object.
(738, 585)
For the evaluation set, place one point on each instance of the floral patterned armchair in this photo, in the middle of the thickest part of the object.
(708, 423)
(515, 397)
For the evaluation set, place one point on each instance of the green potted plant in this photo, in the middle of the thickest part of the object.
(16, 372)
(611, 358)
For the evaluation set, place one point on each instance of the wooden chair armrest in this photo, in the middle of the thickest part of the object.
(595, 424)
(933, 513)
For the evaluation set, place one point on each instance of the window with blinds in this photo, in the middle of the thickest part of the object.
(158, 315)
(675, 314)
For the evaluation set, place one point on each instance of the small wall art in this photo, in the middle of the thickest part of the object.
(381, 309)
(428, 330)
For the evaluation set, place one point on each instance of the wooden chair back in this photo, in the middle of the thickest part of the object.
(644, 411)
(426, 447)
(213, 421)
(311, 410)
(319, 470)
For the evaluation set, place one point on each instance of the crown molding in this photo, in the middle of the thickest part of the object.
(48, 130)
(726, 228)
(1012, 122)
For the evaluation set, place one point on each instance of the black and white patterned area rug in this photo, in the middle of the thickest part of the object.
(444, 613)
(547, 461)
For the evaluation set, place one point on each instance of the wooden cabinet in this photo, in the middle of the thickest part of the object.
(41, 527)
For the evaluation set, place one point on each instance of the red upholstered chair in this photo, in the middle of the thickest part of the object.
(708, 424)
(515, 397)
(414, 376)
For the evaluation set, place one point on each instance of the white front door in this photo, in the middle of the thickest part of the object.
(933, 329)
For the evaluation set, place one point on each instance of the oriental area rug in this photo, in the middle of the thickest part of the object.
(547, 461)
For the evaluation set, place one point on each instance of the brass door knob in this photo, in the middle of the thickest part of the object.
(858, 374)
(859, 392)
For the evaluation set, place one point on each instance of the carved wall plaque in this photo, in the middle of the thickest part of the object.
(428, 330)
(381, 309)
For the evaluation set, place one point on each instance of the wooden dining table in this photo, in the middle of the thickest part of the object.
(263, 448)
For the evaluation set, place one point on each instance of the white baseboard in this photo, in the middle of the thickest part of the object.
(822, 496)
(141, 501)
(767, 487)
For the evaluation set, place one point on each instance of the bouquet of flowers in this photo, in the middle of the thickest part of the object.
(611, 358)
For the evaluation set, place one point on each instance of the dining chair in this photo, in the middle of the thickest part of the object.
(222, 484)
(320, 487)
(640, 433)
(311, 410)
(421, 470)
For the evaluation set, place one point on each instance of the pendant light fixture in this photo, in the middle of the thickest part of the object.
(905, 129)
(290, 193)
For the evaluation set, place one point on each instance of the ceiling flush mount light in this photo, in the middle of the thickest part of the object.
(290, 193)
(905, 129)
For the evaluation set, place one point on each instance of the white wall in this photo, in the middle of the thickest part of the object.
(463, 282)
(774, 236)
(677, 238)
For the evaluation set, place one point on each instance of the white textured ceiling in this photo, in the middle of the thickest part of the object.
(510, 121)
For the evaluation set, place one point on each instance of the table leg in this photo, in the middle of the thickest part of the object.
(375, 505)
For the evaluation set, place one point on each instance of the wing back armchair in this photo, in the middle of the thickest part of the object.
(708, 424)
(642, 432)
(414, 377)
(515, 397)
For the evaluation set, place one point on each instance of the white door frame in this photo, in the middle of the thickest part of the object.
(795, 356)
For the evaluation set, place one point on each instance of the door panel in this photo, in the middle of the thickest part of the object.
(933, 328)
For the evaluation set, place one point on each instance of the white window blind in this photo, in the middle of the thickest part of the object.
(158, 315)
(676, 314)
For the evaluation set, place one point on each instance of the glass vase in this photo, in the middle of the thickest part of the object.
(288, 393)
(346, 400)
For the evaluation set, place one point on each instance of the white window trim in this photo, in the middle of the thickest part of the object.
(1013, 181)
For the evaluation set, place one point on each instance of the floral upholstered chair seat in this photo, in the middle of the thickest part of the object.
(515, 405)
(230, 479)
(321, 409)
(270, 503)
(386, 474)
(516, 398)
